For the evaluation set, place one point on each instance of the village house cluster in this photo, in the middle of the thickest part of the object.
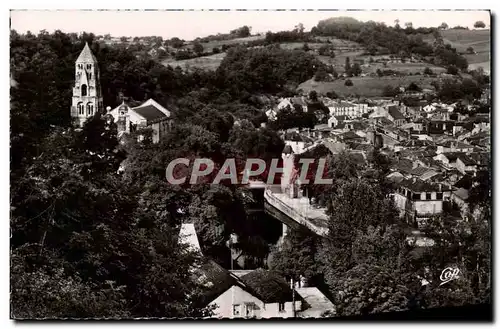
(436, 150)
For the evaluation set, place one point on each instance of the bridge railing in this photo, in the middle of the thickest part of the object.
(293, 213)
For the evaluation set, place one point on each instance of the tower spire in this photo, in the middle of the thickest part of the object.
(87, 97)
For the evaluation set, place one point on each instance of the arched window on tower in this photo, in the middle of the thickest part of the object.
(89, 66)
(90, 75)
(84, 90)
(81, 108)
(90, 109)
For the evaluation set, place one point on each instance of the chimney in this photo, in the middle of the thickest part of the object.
(414, 180)
(440, 187)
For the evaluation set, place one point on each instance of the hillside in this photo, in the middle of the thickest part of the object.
(210, 62)
(479, 40)
(366, 86)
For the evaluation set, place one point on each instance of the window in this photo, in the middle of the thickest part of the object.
(439, 196)
(84, 90)
(80, 66)
(90, 75)
(416, 196)
(89, 66)
(90, 109)
(428, 196)
(249, 310)
(281, 307)
(81, 109)
(236, 309)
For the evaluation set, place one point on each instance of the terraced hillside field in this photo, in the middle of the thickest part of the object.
(211, 62)
(365, 86)
(479, 40)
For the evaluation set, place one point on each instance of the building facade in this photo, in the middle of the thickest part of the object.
(87, 95)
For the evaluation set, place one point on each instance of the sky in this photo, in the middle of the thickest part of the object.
(191, 24)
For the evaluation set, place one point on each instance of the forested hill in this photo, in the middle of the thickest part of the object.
(380, 38)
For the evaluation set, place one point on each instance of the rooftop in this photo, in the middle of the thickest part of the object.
(150, 113)
(86, 56)
(270, 286)
(417, 185)
(394, 112)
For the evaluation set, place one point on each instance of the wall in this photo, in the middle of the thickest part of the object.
(236, 295)
(297, 147)
(428, 207)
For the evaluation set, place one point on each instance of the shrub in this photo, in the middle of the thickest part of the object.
(349, 83)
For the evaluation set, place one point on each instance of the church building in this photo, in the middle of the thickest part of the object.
(87, 95)
(87, 100)
(149, 114)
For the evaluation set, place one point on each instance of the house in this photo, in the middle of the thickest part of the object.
(472, 163)
(429, 108)
(348, 109)
(461, 197)
(320, 131)
(335, 120)
(149, 114)
(448, 160)
(250, 294)
(258, 294)
(297, 142)
(419, 199)
(272, 114)
(465, 164)
(395, 116)
(454, 146)
(290, 102)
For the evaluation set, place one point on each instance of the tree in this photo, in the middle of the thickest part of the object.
(470, 50)
(414, 87)
(452, 70)
(379, 73)
(390, 91)
(479, 25)
(305, 47)
(321, 74)
(313, 95)
(297, 256)
(368, 289)
(198, 48)
(242, 32)
(347, 66)
(349, 83)
(443, 26)
(124, 39)
(84, 231)
(356, 70)
(176, 42)
(299, 28)
(396, 24)
(355, 207)
(428, 71)
(409, 25)
(215, 50)
(327, 50)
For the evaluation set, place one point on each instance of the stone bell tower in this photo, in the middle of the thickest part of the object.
(87, 96)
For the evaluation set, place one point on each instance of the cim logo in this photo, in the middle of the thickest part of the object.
(449, 274)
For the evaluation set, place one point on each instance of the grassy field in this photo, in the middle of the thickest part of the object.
(365, 86)
(463, 39)
(208, 46)
(211, 62)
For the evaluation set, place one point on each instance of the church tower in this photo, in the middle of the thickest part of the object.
(87, 96)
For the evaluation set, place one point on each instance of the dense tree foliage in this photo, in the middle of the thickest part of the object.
(267, 69)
